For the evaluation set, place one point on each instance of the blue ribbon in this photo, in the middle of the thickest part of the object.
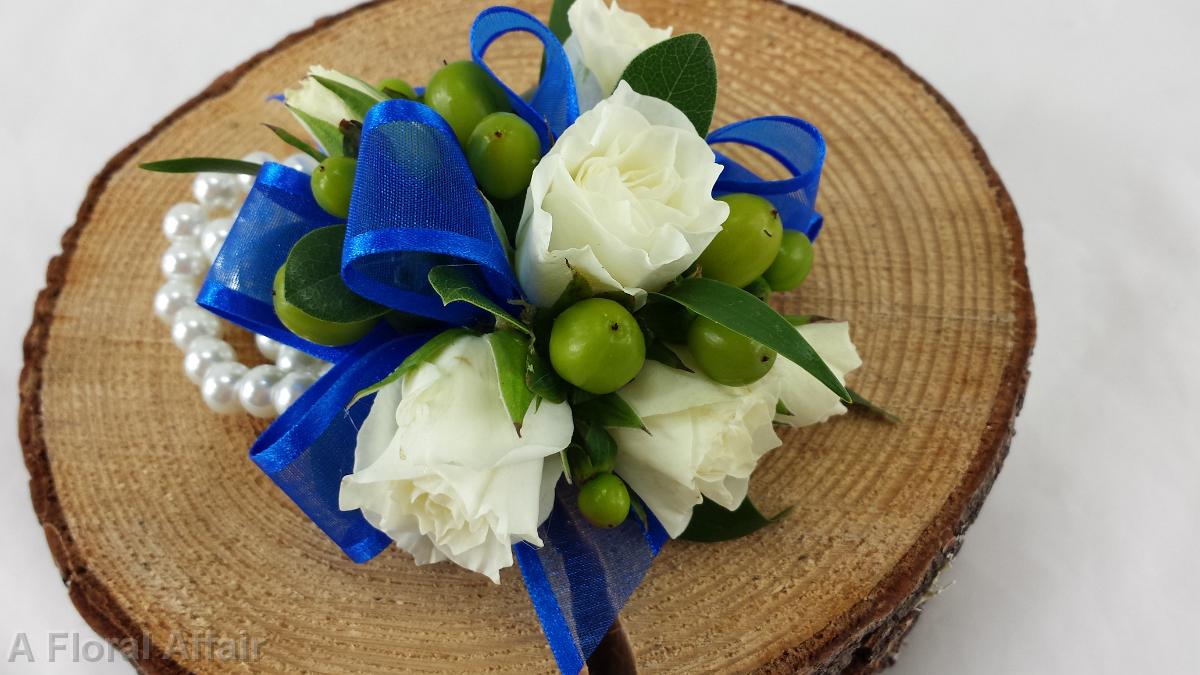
(415, 205)
(795, 144)
(554, 105)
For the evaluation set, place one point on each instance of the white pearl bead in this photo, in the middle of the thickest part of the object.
(290, 388)
(172, 297)
(216, 192)
(203, 353)
(183, 222)
(184, 259)
(255, 389)
(220, 387)
(267, 347)
(290, 359)
(245, 182)
(213, 236)
(192, 322)
(300, 162)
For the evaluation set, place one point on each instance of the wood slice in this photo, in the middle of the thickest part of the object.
(162, 527)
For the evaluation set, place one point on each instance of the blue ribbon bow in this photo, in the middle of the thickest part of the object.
(415, 205)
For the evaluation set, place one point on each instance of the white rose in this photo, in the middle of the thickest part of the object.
(705, 440)
(806, 399)
(441, 469)
(624, 198)
(603, 41)
(312, 98)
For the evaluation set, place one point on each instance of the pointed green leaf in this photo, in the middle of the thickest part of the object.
(609, 410)
(291, 139)
(657, 350)
(860, 401)
(712, 522)
(357, 101)
(202, 164)
(541, 378)
(745, 314)
(682, 72)
(456, 283)
(558, 19)
(600, 446)
(324, 133)
(424, 354)
(510, 350)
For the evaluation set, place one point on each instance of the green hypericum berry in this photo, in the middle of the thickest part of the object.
(748, 241)
(604, 500)
(597, 346)
(792, 265)
(463, 93)
(727, 357)
(502, 151)
(332, 182)
(399, 86)
(311, 328)
(759, 288)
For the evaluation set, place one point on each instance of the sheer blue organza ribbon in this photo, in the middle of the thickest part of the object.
(415, 205)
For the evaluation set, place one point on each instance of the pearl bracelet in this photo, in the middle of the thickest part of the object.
(196, 231)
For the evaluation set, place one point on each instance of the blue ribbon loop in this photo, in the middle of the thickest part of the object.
(795, 144)
(279, 210)
(415, 205)
(554, 105)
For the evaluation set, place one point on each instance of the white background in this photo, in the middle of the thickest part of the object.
(1084, 559)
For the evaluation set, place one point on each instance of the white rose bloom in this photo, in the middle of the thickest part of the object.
(440, 468)
(603, 41)
(313, 98)
(705, 440)
(624, 197)
(809, 401)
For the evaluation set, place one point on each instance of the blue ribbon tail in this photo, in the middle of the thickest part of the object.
(798, 146)
(279, 210)
(311, 446)
(583, 575)
(415, 206)
(554, 105)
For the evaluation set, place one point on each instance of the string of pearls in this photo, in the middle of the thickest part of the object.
(195, 232)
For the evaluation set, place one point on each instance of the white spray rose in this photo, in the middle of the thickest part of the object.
(440, 468)
(603, 41)
(807, 400)
(705, 440)
(624, 198)
(313, 99)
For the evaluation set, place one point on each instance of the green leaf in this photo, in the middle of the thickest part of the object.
(203, 164)
(609, 410)
(682, 72)
(712, 522)
(745, 314)
(456, 283)
(600, 446)
(578, 464)
(860, 401)
(511, 350)
(558, 19)
(313, 279)
(323, 132)
(781, 409)
(425, 353)
(289, 138)
(657, 350)
(357, 101)
(541, 378)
